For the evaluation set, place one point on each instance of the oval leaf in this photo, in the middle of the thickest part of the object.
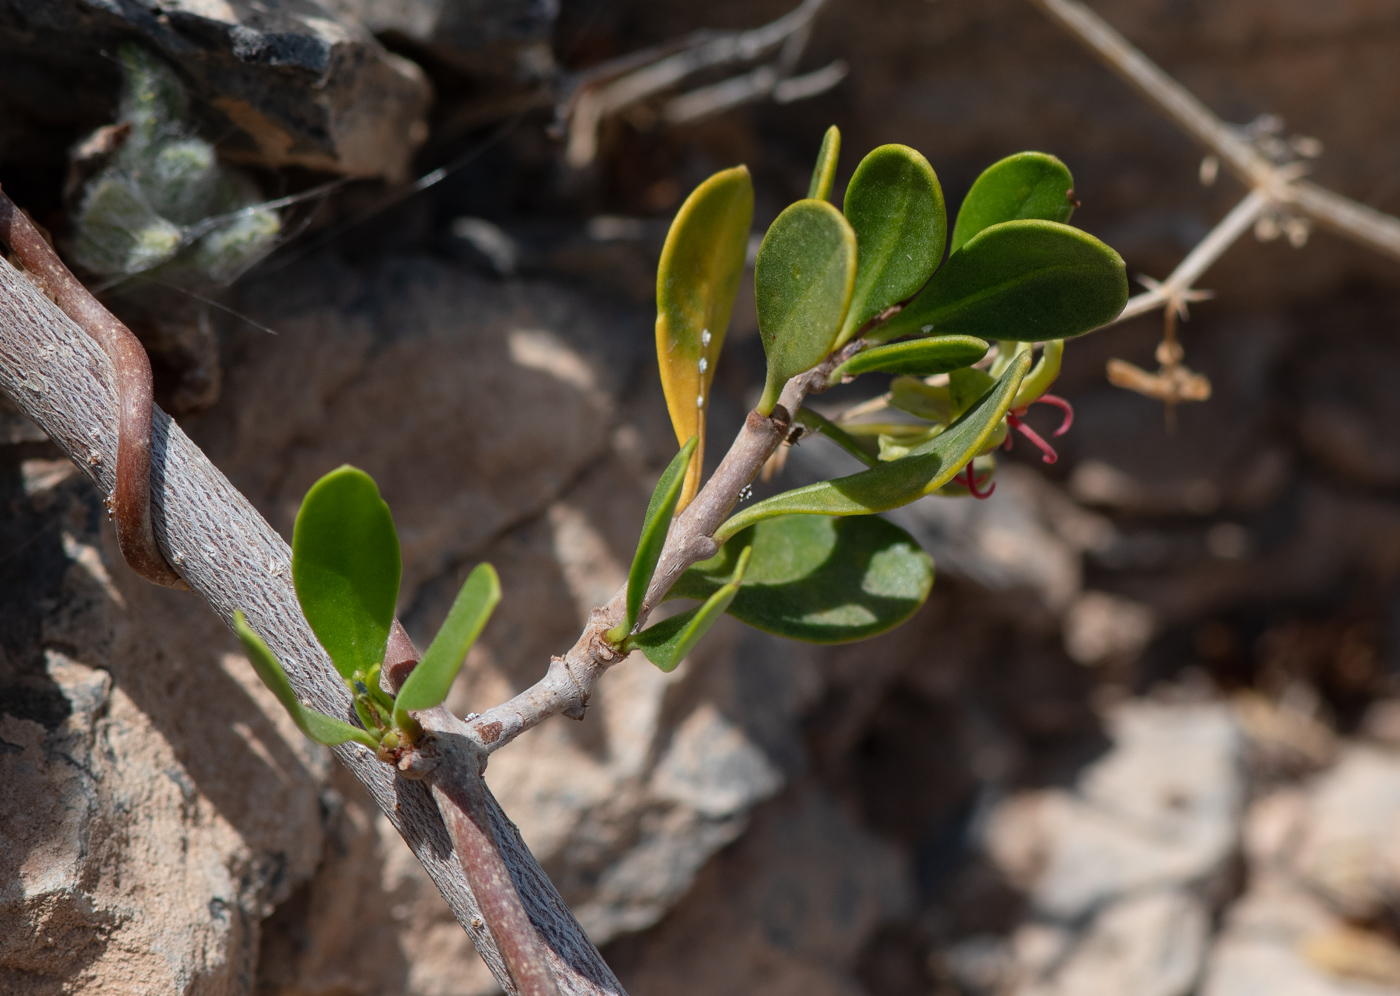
(697, 280)
(345, 565)
(1026, 185)
(803, 279)
(928, 467)
(431, 678)
(917, 358)
(1019, 280)
(824, 175)
(655, 525)
(820, 578)
(895, 205)
(317, 726)
(667, 643)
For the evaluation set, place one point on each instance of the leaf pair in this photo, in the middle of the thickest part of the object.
(1016, 270)
(822, 274)
(346, 569)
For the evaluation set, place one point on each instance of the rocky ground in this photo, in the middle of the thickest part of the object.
(1144, 737)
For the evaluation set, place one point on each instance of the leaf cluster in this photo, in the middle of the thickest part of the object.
(346, 569)
(876, 286)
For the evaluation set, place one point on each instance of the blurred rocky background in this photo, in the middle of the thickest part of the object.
(1145, 736)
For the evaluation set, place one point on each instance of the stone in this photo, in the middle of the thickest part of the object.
(1347, 852)
(1101, 627)
(504, 38)
(1122, 872)
(472, 403)
(283, 82)
(785, 911)
(156, 803)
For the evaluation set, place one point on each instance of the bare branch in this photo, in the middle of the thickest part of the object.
(1341, 215)
(60, 378)
(613, 87)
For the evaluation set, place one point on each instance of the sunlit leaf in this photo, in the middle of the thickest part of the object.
(825, 172)
(697, 280)
(803, 279)
(917, 357)
(652, 540)
(667, 643)
(431, 678)
(931, 401)
(895, 205)
(1021, 280)
(1026, 185)
(928, 467)
(345, 565)
(317, 726)
(820, 578)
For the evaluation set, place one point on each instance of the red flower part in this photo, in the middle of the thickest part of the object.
(967, 478)
(1048, 452)
(1062, 405)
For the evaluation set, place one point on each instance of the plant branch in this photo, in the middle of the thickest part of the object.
(129, 501)
(62, 380)
(612, 87)
(568, 684)
(1341, 215)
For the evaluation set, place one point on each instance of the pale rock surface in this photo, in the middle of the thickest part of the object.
(155, 802)
(1122, 871)
(299, 85)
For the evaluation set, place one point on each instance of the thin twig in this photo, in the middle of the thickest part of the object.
(614, 87)
(1341, 215)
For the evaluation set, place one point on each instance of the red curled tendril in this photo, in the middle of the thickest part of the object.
(967, 477)
(1048, 453)
(1064, 406)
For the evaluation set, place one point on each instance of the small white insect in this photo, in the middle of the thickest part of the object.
(704, 364)
(705, 337)
(747, 493)
(699, 401)
(926, 328)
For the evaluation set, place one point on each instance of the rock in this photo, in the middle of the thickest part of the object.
(1347, 852)
(1281, 936)
(155, 801)
(1100, 627)
(785, 911)
(1122, 872)
(508, 38)
(284, 82)
(473, 404)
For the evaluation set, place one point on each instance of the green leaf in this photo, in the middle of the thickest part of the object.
(1022, 280)
(432, 677)
(927, 468)
(345, 565)
(895, 205)
(1042, 375)
(803, 279)
(931, 401)
(667, 643)
(653, 538)
(319, 727)
(697, 280)
(815, 422)
(1026, 185)
(918, 357)
(825, 172)
(820, 578)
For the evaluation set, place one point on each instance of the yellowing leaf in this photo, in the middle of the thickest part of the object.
(702, 263)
